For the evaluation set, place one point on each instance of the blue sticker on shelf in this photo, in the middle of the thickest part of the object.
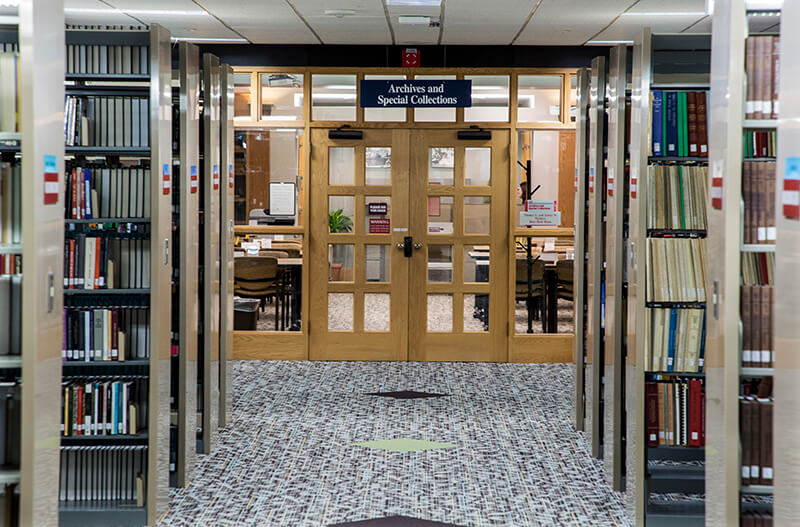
(50, 180)
(193, 179)
(215, 177)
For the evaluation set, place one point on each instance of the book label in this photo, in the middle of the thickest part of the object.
(610, 181)
(791, 189)
(193, 179)
(166, 181)
(50, 180)
(716, 186)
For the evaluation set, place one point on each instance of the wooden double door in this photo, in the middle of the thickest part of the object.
(409, 246)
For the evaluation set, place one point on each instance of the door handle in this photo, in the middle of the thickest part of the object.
(417, 246)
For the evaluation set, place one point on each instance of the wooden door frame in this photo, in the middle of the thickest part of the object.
(457, 345)
(358, 344)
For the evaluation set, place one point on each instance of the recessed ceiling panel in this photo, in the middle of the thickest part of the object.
(365, 23)
(262, 21)
(99, 15)
(484, 22)
(671, 6)
(569, 22)
(630, 27)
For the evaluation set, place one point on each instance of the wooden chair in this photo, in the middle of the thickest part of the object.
(294, 250)
(273, 253)
(258, 277)
(564, 276)
(537, 289)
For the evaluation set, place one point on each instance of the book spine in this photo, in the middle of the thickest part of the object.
(691, 116)
(672, 123)
(657, 125)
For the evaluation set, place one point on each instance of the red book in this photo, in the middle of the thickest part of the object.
(71, 257)
(695, 411)
(702, 418)
(702, 124)
(651, 412)
(74, 190)
(79, 412)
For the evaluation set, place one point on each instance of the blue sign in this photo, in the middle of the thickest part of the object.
(416, 93)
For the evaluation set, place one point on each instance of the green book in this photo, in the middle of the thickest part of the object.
(683, 204)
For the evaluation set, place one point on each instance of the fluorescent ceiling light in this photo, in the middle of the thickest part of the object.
(10, 20)
(347, 87)
(672, 13)
(153, 12)
(333, 97)
(608, 42)
(9, 3)
(414, 19)
(210, 39)
(414, 3)
(764, 4)
(339, 13)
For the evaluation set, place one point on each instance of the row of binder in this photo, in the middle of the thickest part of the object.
(107, 60)
(10, 203)
(107, 121)
(675, 339)
(676, 270)
(113, 334)
(10, 314)
(102, 406)
(678, 197)
(107, 193)
(100, 262)
(115, 475)
(675, 413)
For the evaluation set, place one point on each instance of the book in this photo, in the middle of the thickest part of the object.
(677, 268)
(678, 197)
(658, 115)
(674, 340)
(762, 70)
(674, 412)
(105, 60)
(672, 123)
(105, 121)
(9, 89)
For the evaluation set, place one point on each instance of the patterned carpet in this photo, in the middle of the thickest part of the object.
(289, 458)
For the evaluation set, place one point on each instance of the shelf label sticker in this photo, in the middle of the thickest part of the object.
(166, 181)
(576, 180)
(230, 176)
(716, 186)
(193, 179)
(634, 181)
(610, 181)
(591, 179)
(50, 180)
(791, 189)
(215, 177)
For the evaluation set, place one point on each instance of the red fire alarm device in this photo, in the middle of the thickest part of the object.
(411, 58)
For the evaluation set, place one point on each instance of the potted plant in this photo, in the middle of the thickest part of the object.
(338, 221)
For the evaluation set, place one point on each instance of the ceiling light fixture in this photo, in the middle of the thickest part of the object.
(414, 20)
(339, 13)
(608, 42)
(764, 4)
(9, 20)
(153, 12)
(209, 39)
(672, 13)
(414, 3)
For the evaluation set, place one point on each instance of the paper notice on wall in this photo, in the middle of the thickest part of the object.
(281, 199)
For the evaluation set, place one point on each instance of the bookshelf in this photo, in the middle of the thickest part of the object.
(595, 248)
(185, 268)
(581, 225)
(117, 275)
(615, 280)
(744, 359)
(787, 369)
(208, 365)
(226, 197)
(31, 370)
(664, 473)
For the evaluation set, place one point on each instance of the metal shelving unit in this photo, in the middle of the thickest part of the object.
(154, 435)
(40, 35)
(581, 209)
(226, 243)
(646, 478)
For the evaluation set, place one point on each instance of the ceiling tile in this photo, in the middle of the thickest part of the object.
(367, 26)
(569, 22)
(672, 6)
(262, 21)
(112, 17)
(482, 22)
(630, 27)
